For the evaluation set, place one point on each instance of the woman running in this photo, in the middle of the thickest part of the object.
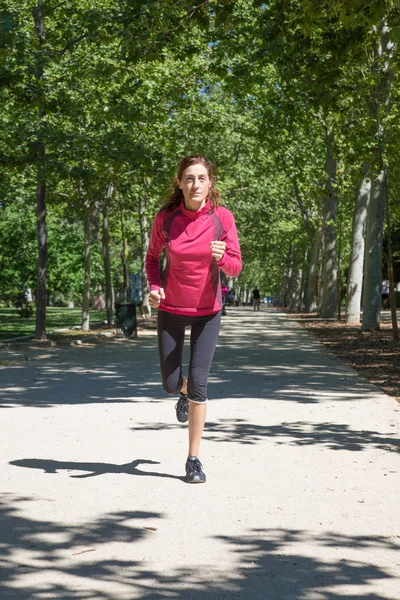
(200, 238)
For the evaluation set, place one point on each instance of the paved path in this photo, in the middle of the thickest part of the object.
(301, 455)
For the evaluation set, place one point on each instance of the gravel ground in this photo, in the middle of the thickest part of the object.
(302, 464)
(374, 354)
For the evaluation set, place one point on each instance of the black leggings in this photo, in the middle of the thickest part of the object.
(203, 340)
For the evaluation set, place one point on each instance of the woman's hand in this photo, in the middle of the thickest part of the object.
(155, 297)
(217, 249)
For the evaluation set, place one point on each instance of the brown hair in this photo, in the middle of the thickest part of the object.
(175, 196)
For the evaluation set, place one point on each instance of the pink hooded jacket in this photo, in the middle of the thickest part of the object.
(191, 278)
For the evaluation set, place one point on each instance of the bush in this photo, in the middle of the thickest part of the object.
(23, 305)
(58, 299)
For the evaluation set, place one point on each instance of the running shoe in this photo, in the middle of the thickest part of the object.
(181, 408)
(194, 470)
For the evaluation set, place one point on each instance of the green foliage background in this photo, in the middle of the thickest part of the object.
(131, 87)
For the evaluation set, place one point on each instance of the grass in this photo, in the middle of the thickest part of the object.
(11, 324)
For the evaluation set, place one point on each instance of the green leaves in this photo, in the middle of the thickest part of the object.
(131, 86)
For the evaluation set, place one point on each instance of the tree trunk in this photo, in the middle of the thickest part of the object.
(294, 291)
(302, 299)
(304, 275)
(106, 257)
(355, 277)
(287, 279)
(297, 288)
(392, 296)
(123, 258)
(144, 238)
(311, 291)
(379, 108)
(41, 289)
(288, 291)
(329, 208)
(339, 294)
(86, 284)
(282, 291)
(372, 295)
(303, 210)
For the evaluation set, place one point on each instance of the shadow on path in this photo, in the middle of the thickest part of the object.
(113, 372)
(267, 564)
(261, 355)
(93, 469)
(335, 436)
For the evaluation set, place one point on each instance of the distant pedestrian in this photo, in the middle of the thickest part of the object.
(385, 293)
(200, 239)
(231, 296)
(256, 298)
(224, 292)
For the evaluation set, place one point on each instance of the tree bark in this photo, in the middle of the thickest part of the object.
(355, 277)
(304, 273)
(106, 256)
(287, 278)
(329, 208)
(303, 210)
(144, 238)
(282, 291)
(123, 257)
(372, 295)
(41, 289)
(304, 279)
(294, 283)
(86, 284)
(339, 294)
(297, 288)
(379, 108)
(311, 291)
(392, 296)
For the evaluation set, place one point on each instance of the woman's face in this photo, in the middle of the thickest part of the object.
(195, 185)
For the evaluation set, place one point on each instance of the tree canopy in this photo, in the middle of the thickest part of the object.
(290, 100)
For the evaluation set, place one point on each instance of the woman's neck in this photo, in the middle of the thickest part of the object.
(194, 206)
